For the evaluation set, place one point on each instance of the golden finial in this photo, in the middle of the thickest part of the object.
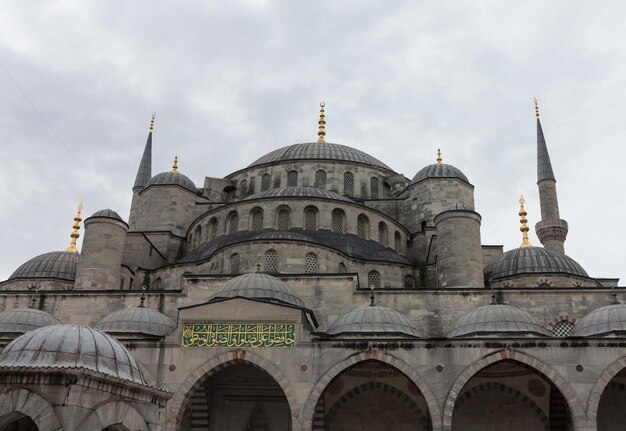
(321, 131)
(439, 159)
(175, 165)
(72, 248)
(536, 108)
(152, 122)
(524, 229)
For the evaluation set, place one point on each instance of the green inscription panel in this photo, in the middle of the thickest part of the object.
(239, 335)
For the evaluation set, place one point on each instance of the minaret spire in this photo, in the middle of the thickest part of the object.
(321, 131)
(144, 173)
(72, 248)
(544, 165)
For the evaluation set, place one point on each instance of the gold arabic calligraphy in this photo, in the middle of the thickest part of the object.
(239, 335)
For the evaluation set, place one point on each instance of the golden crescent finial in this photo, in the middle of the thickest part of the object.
(536, 108)
(152, 122)
(321, 130)
(524, 228)
(175, 165)
(439, 159)
(72, 248)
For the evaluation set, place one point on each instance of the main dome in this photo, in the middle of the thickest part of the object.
(315, 151)
(299, 192)
(56, 264)
(533, 260)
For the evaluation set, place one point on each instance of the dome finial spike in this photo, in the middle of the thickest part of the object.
(175, 165)
(72, 248)
(321, 130)
(439, 159)
(372, 297)
(524, 228)
(143, 296)
(152, 122)
(536, 108)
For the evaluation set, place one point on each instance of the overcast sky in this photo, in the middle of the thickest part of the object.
(233, 80)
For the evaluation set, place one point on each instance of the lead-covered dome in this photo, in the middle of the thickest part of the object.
(439, 170)
(495, 319)
(107, 213)
(172, 178)
(299, 192)
(56, 264)
(259, 286)
(73, 347)
(533, 260)
(22, 320)
(315, 151)
(608, 320)
(374, 320)
(137, 320)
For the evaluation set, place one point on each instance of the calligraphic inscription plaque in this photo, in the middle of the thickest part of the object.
(239, 335)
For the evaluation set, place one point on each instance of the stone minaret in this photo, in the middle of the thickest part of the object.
(551, 230)
(144, 173)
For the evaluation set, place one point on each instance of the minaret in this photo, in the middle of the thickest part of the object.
(144, 173)
(551, 230)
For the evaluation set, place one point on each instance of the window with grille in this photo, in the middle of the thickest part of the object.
(320, 179)
(292, 179)
(563, 328)
(212, 229)
(310, 218)
(243, 189)
(383, 233)
(234, 263)
(409, 281)
(348, 184)
(232, 223)
(362, 226)
(265, 182)
(398, 241)
(271, 261)
(284, 219)
(341, 269)
(257, 219)
(373, 280)
(337, 221)
(374, 187)
(311, 265)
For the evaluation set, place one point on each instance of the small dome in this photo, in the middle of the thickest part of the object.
(533, 260)
(299, 192)
(172, 178)
(458, 206)
(315, 151)
(71, 347)
(607, 320)
(439, 170)
(57, 264)
(496, 319)
(137, 320)
(22, 320)
(376, 320)
(107, 213)
(259, 286)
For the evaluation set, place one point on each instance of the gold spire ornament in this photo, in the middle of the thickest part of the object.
(536, 108)
(152, 122)
(321, 131)
(439, 159)
(524, 229)
(175, 165)
(72, 248)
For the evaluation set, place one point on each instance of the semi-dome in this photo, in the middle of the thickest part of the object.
(172, 178)
(56, 264)
(108, 213)
(137, 320)
(533, 260)
(259, 286)
(496, 319)
(374, 320)
(315, 151)
(607, 320)
(299, 192)
(22, 320)
(73, 347)
(439, 170)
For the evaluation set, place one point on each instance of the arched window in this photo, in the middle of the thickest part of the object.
(212, 229)
(383, 233)
(243, 188)
(158, 284)
(398, 241)
(292, 179)
(348, 184)
(374, 187)
(311, 266)
(271, 261)
(409, 281)
(228, 194)
(373, 280)
(320, 179)
(310, 218)
(256, 219)
(341, 268)
(197, 236)
(363, 226)
(338, 221)
(234, 263)
(283, 219)
(265, 182)
(232, 222)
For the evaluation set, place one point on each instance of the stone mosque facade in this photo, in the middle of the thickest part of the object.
(314, 289)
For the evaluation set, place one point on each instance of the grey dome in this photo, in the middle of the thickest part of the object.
(496, 319)
(22, 320)
(137, 320)
(299, 192)
(107, 213)
(439, 170)
(259, 286)
(533, 260)
(315, 151)
(282, 235)
(458, 206)
(56, 264)
(71, 347)
(172, 178)
(602, 321)
(374, 320)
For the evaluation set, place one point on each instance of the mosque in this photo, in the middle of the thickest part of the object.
(314, 289)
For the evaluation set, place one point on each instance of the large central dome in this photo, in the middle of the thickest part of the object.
(315, 151)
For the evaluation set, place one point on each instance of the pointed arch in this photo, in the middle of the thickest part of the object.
(114, 413)
(27, 403)
(593, 402)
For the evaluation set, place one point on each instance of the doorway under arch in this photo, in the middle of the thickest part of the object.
(16, 421)
(611, 414)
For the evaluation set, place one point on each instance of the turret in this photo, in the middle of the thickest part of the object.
(551, 230)
(144, 173)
